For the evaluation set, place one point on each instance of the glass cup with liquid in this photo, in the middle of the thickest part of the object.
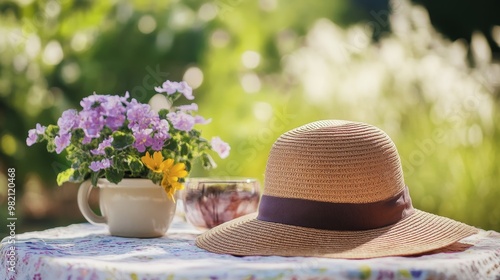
(209, 202)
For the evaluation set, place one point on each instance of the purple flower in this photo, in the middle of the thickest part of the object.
(100, 149)
(101, 110)
(220, 147)
(112, 105)
(115, 122)
(157, 144)
(68, 120)
(152, 134)
(90, 102)
(32, 137)
(33, 134)
(143, 139)
(190, 107)
(98, 165)
(181, 120)
(40, 129)
(201, 120)
(170, 88)
(140, 116)
(162, 126)
(186, 90)
(160, 134)
(86, 140)
(91, 122)
(62, 141)
(135, 110)
(124, 98)
(114, 112)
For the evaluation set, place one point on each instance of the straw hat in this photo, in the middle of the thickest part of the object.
(334, 189)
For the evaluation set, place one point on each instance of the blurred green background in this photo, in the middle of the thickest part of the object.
(260, 68)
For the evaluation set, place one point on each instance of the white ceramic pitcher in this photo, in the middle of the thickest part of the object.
(131, 208)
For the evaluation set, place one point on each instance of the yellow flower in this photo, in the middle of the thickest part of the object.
(155, 162)
(171, 174)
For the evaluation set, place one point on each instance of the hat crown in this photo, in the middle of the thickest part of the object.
(334, 161)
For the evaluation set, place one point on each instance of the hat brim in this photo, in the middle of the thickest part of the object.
(418, 233)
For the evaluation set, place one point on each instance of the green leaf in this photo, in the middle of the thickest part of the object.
(51, 147)
(105, 132)
(84, 167)
(171, 145)
(120, 162)
(184, 149)
(155, 177)
(194, 133)
(77, 136)
(135, 165)
(77, 177)
(114, 175)
(94, 176)
(64, 176)
(52, 130)
(186, 138)
(163, 113)
(109, 151)
(207, 161)
(122, 140)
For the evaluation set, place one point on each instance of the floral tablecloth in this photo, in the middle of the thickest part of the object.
(84, 251)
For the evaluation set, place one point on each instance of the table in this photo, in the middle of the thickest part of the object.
(85, 251)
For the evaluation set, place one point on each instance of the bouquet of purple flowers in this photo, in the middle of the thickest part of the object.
(113, 137)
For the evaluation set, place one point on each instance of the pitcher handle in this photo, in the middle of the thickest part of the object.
(83, 204)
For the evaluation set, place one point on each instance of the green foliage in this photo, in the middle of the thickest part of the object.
(121, 140)
(135, 166)
(65, 176)
(114, 175)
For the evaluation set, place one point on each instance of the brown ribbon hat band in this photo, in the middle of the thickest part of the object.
(335, 216)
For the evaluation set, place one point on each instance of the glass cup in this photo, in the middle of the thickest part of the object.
(209, 202)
